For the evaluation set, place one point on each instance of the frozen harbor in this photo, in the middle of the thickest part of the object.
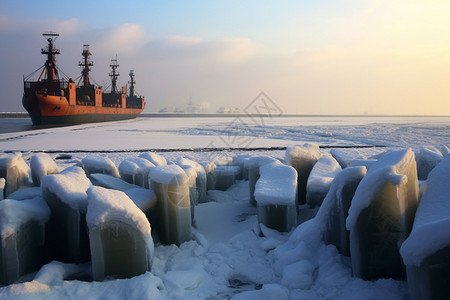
(230, 255)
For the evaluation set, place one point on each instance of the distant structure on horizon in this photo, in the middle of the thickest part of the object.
(227, 110)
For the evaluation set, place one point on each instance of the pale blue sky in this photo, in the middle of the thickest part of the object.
(312, 57)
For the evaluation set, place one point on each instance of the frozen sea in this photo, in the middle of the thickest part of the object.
(227, 257)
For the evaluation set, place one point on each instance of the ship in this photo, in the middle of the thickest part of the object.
(54, 100)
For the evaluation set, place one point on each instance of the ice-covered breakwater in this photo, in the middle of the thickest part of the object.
(85, 212)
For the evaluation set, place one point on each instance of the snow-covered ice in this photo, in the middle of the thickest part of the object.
(381, 215)
(276, 196)
(119, 233)
(99, 164)
(42, 164)
(425, 252)
(229, 255)
(320, 178)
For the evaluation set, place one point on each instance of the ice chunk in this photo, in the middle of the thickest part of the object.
(335, 207)
(302, 158)
(171, 186)
(320, 178)
(99, 164)
(426, 250)
(42, 164)
(15, 171)
(381, 215)
(22, 226)
(210, 170)
(275, 194)
(154, 158)
(65, 193)
(254, 164)
(135, 170)
(119, 234)
(110, 182)
(243, 161)
(226, 176)
(427, 158)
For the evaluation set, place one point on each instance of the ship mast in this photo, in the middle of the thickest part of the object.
(114, 75)
(131, 82)
(50, 65)
(85, 64)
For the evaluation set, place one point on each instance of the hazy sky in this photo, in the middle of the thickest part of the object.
(309, 57)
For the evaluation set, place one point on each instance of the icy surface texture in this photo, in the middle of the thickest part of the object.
(320, 178)
(427, 249)
(99, 164)
(119, 233)
(42, 164)
(302, 158)
(336, 205)
(427, 158)
(254, 163)
(243, 161)
(171, 186)
(154, 158)
(22, 226)
(275, 194)
(65, 193)
(226, 176)
(381, 215)
(15, 171)
(135, 170)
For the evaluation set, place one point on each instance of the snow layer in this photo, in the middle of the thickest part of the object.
(170, 174)
(430, 230)
(134, 165)
(277, 185)
(70, 186)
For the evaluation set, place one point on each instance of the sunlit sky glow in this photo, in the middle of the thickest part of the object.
(310, 57)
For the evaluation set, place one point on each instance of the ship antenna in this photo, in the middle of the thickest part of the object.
(85, 64)
(114, 74)
(50, 64)
(132, 82)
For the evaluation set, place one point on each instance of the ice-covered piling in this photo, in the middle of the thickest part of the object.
(336, 205)
(210, 170)
(65, 194)
(135, 170)
(15, 171)
(120, 235)
(427, 158)
(171, 186)
(254, 163)
(302, 158)
(320, 178)
(99, 164)
(200, 180)
(276, 195)
(154, 158)
(426, 251)
(226, 176)
(381, 215)
(22, 227)
(42, 164)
